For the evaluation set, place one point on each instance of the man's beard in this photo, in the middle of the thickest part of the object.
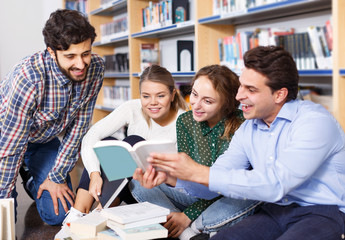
(69, 76)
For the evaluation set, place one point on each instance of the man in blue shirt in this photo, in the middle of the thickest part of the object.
(46, 105)
(296, 150)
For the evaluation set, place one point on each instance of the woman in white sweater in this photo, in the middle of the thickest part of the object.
(153, 116)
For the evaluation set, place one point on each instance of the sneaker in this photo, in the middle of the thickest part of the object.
(72, 215)
(27, 179)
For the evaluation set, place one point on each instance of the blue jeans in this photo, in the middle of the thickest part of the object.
(40, 159)
(273, 222)
(225, 212)
(222, 213)
(161, 195)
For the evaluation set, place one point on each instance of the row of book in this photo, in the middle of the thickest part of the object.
(113, 96)
(311, 49)
(149, 55)
(115, 29)
(116, 63)
(139, 221)
(228, 6)
(79, 5)
(164, 13)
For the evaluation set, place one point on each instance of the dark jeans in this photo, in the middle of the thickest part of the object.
(40, 159)
(125, 194)
(290, 222)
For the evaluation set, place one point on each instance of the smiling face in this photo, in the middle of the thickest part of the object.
(257, 99)
(75, 61)
(205, 102)
(156, 101)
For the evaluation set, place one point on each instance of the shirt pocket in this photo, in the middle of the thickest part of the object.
(46, 117)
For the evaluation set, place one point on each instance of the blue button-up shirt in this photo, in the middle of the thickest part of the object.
(299, 159)
(37, 103)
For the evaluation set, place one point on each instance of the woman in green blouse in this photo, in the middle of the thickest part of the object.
(203, 133)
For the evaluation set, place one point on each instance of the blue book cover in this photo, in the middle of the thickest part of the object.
(119, 159)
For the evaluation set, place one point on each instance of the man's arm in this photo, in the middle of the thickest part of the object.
(289, 159)
(17, 106)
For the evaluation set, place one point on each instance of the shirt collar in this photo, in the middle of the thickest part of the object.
(57, 74)
(205, 129)
(287, 112)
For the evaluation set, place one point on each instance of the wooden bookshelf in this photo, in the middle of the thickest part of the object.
(207, 28)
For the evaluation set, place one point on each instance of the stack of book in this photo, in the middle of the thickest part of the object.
(139, 221)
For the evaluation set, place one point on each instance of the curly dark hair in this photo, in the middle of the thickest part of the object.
(277, 65)
(65, 27)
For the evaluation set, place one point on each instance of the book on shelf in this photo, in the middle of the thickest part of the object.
(89, 225)
(119, 159)
(159, 219)
(110, 190)
(125, 214)
(320, 48)
(180, 10)
(156, 15)
(108, 234)
(116, 63)
(7, 220)
(149, 55)
(115, 29)
(152, 231)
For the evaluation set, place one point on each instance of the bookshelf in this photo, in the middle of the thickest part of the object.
(205, 28)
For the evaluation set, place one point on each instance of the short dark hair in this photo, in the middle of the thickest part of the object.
(65, 27)
(277, 65)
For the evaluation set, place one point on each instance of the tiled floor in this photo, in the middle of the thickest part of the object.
(29, 225)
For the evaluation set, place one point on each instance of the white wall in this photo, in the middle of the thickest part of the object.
(21, 24)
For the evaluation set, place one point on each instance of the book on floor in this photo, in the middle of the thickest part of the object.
(152, 231)
(108, 234)
(7, 220)
(125, 214)
(89, 225)
(110, 190)
(160, 219)
(119, 159)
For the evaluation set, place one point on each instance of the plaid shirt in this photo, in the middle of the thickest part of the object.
(38, 103)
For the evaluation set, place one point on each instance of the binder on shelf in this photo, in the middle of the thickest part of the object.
(185, 55)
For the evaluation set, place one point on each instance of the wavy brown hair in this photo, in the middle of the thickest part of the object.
(226, 83)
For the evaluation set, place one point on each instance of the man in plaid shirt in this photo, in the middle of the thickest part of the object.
(46, 105)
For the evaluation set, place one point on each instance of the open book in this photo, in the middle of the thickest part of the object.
(119, 159)
(7, 219)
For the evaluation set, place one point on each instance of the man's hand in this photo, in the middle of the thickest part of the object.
(95, 186)
(57, 191)
(151, 178)
(177, 222)
(181, 166)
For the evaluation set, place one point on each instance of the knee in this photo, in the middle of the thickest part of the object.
(46, 211)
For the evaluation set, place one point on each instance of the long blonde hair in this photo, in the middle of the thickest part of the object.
(156, 73)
